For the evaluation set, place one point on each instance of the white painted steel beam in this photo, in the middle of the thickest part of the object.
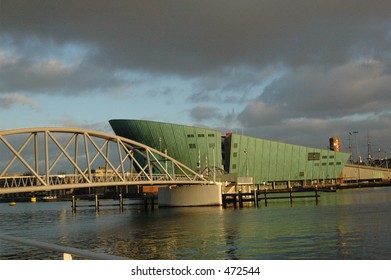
(129, 163)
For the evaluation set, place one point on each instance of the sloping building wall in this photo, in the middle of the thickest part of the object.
(187, 144)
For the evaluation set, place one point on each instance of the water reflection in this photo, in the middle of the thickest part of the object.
(350, 224)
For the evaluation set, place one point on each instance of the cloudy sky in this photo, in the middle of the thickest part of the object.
(296, 71)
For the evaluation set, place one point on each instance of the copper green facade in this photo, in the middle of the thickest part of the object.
(264, 160)
(187, 144)
(270, 161)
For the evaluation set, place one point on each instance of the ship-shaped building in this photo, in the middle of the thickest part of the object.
(237, 157)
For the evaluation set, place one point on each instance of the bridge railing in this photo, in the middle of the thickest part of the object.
(72, 179)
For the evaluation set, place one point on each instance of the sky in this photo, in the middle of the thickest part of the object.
(297, 71)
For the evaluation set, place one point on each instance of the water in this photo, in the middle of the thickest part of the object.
(349, 224)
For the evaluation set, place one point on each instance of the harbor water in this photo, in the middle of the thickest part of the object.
(348, 224)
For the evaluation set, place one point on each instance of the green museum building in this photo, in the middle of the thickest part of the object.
(248, 160)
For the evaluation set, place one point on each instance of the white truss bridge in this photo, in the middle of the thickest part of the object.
(46, 159)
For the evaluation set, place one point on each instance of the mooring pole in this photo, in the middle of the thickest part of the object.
(255, 198)
(290, 195)
(240, 199)
(145, 201)
(266, 197)
(121, 203)
(96, 203)
(316, 194)
(73, 203)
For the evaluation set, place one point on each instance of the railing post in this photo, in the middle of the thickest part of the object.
(66, 257)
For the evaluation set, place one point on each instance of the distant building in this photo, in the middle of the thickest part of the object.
(248, 159)
(335, 143)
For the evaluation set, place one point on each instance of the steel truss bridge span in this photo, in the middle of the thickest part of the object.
(46, 159)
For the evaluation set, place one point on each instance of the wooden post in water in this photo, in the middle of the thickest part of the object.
(240, 199)
(265, 197)
(96, 203)
(316, 194)
(290, 195)
(152, 203)
(121, 203)
(145, 201)
(73, 203)
(256, 199)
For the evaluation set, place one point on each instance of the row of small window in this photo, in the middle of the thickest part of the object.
(316, 156)
(330, 163)
(316, 164)
(193, 146)
(199, 135)
(235, 154)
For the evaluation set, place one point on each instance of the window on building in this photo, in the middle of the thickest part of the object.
(211, 145)
(235, 154)
(234, 166)
(313, 156)
(201, 135)
(211, 135)
(192, 146)
(235, 145)
(331, 156)
(323, 163)
(338, 163)
(190, 135)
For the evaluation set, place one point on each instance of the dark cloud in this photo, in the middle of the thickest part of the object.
(302, 69)
(191, 37)
(310, 104)
(36, 66)
(312, 92)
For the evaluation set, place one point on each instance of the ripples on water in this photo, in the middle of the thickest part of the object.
(349, 224)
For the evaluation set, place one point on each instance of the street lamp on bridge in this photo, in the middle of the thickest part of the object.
(358, 157)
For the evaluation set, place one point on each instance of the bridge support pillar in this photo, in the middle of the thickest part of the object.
(191, 195)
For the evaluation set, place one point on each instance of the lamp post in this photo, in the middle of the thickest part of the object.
(350, 148)
(245, 152)
(358, 157)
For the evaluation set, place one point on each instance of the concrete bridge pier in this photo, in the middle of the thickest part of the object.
(191, 195)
